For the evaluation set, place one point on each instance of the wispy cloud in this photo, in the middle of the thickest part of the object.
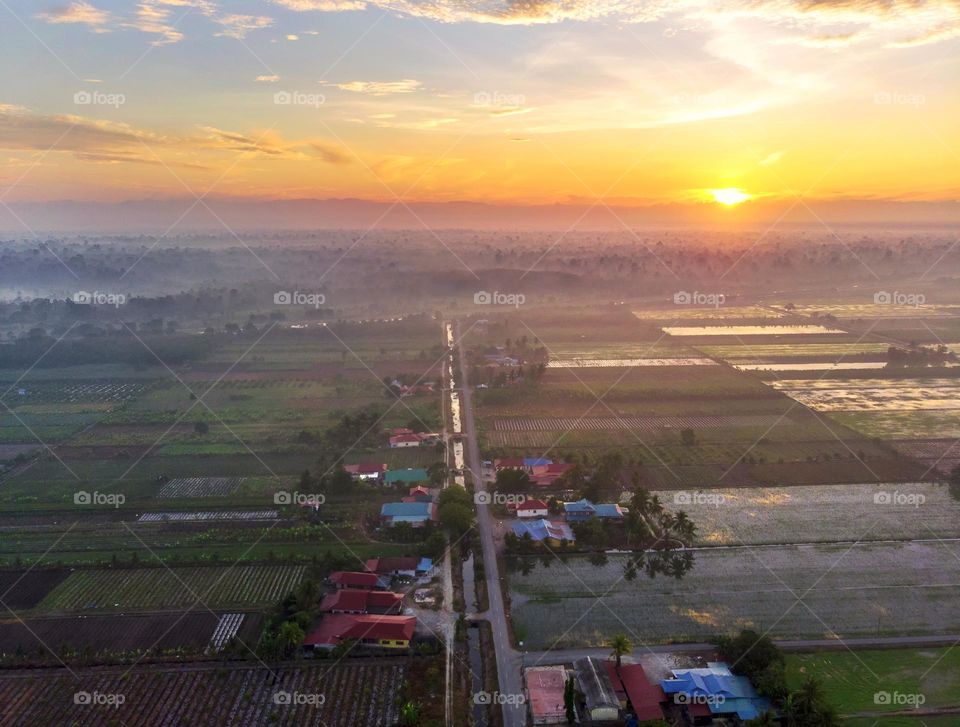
(82, 13)
(379, 88)
(237, 26)
(267, 79)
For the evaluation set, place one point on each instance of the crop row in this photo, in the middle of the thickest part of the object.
(200, 486)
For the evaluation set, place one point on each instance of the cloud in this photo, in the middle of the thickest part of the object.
(331, 154)
(379, 88)
(237, 26)
(82, 13)
(267, 79)
(919, 22)
(771, 159)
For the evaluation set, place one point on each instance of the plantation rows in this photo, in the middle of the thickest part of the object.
(72, 393)
(227, 628)
(200, 487)
(334, 696)
(519, 424)
(165, 588)
(159, 517)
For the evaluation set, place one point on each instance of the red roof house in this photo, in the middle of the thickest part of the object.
(532, 508)
(545, 685)
(389, 632)
(404, 440)
(645, 697)
(355, 600)
(353, 579)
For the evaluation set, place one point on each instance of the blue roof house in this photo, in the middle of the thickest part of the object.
(415, 513)
(579, 511)
(543, 530)
(716, 688)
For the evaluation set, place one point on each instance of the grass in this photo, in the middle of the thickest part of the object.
(851, 679)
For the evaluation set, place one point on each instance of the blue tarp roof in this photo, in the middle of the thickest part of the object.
(398, 510)
(536, 461)
(579, 506)
(724, 692)
(542, 529)
(425, 565)
(608, 509)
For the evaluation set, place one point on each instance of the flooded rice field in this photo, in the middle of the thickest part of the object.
(798, 330)
(594, 363)
(873, 394)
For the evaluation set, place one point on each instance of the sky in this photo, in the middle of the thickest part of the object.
(532, 102)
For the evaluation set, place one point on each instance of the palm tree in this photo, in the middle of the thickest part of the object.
(620, 645)
(684, 526)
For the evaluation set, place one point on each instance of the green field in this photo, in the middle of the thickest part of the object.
(855, 681)
(161, 588)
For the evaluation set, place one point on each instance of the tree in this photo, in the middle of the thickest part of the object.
(289, 637)
(955, 482)
(201, 427)
(688, 437)
(757, 658)
(514, 481)
(620, 645)
(569, 697)
(410, 714)
(767, 719)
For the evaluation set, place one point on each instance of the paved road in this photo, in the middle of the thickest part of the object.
(565, 656)
(508, 660)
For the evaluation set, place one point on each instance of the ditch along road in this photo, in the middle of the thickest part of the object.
(509, 663)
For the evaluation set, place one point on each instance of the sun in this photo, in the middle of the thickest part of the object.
(729, 196)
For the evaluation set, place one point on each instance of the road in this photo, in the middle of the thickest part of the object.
(508, 660)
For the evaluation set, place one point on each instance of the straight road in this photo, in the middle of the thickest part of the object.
(509, 664)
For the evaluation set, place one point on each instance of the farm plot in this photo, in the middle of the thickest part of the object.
(820, 514)
(732, 330)
(851, 679)
(940, 454)
(72, 392)
(686, 312)
(867, 589)
(200, 487)
(801, 351)
(595, 363)
(830, 395)
(339, 695)
(146, 588)
(595, 423)
(182, 517)
(195, 632)
(22, 589)
(925, 424)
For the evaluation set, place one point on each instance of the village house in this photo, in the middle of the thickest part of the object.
(417, 514)
(355, 600)
(409, 566)
(366, 471)
(355, 579)
(544, 531)
(583, 510)
(713, 693)
(600, 703)
(532, 508)
(409, 476)
(399, 441)
(545, 688)
(384, 632)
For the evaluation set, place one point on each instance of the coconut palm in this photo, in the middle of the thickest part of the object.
(620, 645)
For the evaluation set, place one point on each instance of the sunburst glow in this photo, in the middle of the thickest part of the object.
(729, 196)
